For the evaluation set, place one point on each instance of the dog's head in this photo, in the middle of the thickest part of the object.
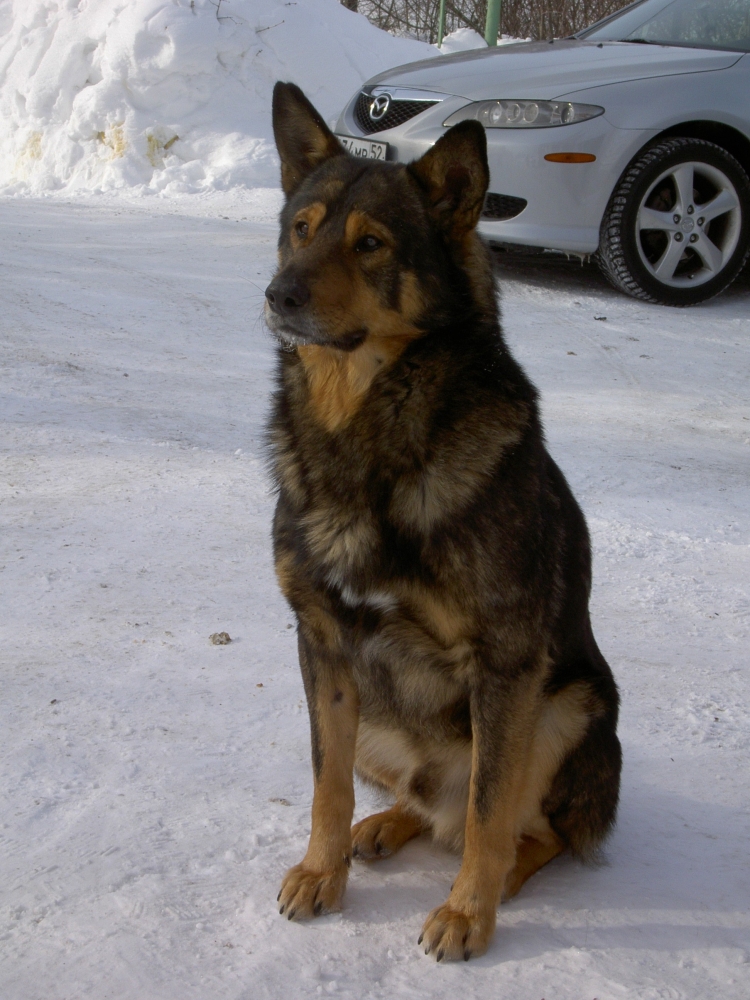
(368, 248)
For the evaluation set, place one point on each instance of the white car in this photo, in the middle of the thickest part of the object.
(630, 140)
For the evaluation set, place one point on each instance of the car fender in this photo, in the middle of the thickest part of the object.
(716, 95)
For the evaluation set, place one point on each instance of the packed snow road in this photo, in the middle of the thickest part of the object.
(156, 786)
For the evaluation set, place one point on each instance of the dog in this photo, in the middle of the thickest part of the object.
(434, 556)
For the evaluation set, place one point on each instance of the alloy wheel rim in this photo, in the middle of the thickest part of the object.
(688, 224)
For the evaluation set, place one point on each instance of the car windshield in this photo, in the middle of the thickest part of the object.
(701, 24)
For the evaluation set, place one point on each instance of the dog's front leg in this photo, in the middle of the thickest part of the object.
(502, 718)
(317, 884)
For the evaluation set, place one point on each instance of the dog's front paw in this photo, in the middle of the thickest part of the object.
(451, 934)
(305, 893)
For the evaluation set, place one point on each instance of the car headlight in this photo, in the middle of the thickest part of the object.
(525, 114)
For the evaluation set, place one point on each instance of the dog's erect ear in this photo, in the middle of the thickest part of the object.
(303, 139)
(454, 173)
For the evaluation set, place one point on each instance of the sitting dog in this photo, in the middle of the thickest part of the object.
(436, 561)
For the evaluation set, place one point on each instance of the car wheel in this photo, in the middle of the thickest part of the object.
(677, 227)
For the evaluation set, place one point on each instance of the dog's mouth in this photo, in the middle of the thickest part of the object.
(291, 335)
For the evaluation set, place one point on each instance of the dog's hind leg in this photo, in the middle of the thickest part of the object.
(384, 833)
(560, 727)
(532, 854)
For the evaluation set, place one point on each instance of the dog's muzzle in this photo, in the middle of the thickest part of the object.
(287, 296)
(291, 321)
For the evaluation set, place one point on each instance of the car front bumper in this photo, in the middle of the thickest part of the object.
(565, 201)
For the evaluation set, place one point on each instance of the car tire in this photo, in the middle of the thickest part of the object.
(677, 227)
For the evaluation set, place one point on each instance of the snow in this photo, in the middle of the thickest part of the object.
(461, 40)
(155, 786)
(169, 96)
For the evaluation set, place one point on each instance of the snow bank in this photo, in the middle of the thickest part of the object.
(168, 96)
(461, 40)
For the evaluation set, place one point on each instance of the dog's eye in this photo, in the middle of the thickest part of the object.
(302, 229)
(368, 243)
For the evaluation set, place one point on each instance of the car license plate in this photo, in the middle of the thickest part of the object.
(365, 148)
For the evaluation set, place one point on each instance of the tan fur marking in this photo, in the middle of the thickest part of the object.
(322, 626)
(359, 224)
(313, 215)
(411, 299)
(289, 471)
(333, 801)
(448, 623)
(425, 498)
(339, 380)
(321, 876)
(561, 726)
(340, 542)
(285, 573)
(532, 855)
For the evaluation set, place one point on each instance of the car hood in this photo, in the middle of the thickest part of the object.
(545, 71)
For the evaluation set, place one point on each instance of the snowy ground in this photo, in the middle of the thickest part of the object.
(155, 787)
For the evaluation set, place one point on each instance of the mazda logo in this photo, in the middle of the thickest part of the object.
(379, 107)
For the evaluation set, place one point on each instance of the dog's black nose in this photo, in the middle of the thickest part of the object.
(286, 295)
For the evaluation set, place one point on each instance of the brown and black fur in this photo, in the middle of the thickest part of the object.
(437, 562)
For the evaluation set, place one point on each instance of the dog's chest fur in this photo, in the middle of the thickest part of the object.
(372, 501)
(372, 518)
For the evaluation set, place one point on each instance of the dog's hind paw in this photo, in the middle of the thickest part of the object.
(305, 893)
(451, 935)
(383, 833)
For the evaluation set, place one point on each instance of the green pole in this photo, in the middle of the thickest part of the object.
(492, 24)
(441, 22)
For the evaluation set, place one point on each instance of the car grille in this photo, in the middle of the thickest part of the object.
(502, 206)
(398, 113)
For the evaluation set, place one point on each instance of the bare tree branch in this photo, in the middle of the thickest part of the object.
(537, 19)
